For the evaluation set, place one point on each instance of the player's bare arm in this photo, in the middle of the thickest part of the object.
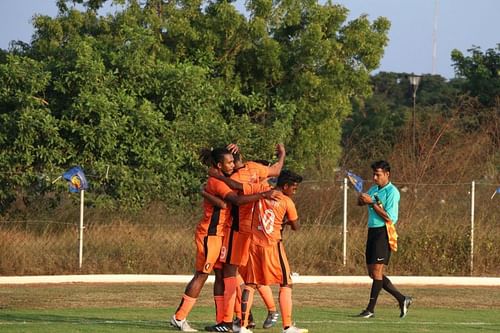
(213, 172)
(239, 200)
(213, 199)
(233, 148)
(295, 225)
(275, 169)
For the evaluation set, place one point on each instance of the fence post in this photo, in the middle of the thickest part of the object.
(473, 190)
(344, 231)
(80, 238)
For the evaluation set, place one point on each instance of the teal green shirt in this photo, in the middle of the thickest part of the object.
(389, 196)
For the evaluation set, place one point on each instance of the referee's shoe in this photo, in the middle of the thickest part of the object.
(366, 314)
(403, 306)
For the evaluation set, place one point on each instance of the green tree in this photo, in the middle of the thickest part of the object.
(481, 71)
(30, 142)
(379, 121)
(140, 91)
(305, 53)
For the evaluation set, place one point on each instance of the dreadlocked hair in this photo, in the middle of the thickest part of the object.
(288, 177)
(210, 157)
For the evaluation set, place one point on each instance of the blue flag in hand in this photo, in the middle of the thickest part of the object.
(496, 191)
(76, 179)
(356, 181)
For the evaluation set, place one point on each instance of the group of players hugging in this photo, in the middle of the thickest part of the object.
(239, 237)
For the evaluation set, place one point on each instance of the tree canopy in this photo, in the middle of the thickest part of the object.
(481, 71)
(139, 92)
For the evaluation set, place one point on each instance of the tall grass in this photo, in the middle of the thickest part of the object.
(434, 239)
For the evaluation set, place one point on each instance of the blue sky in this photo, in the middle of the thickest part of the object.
(461, 25)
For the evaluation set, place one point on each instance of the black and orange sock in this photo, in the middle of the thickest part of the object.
(246, 304)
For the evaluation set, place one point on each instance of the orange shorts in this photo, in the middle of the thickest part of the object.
(235, 247)
(207, 252)
(242, 270)
(267, 265)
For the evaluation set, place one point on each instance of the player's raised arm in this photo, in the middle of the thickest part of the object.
(275, 169)
(233, 148)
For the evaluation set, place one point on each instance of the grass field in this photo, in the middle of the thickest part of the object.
(320, 308)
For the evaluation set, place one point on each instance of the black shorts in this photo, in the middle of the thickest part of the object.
(377, 246)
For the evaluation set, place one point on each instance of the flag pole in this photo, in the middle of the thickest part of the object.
(80, 238)
(344, 231)
(473, 195)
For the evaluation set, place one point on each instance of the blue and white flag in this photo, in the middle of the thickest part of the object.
(356, 181)
(496, 191)
(76, 179)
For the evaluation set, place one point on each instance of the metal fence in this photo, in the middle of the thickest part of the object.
(445, 229)
(437, 222)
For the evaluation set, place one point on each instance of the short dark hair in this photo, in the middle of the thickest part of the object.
(288, 177)
(210, 157)
(384, 165)
(237, 157)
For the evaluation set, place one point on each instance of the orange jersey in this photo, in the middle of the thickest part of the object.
(251, 174)
(268, 219)
(215, 219)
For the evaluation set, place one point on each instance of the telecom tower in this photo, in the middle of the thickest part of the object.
(434, 37)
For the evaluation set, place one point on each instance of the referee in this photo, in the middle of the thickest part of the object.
(382, 200)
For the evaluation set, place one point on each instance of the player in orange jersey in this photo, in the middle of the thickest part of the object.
(209, 232)
(237, 237)
(264, 291)
(267, 262)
